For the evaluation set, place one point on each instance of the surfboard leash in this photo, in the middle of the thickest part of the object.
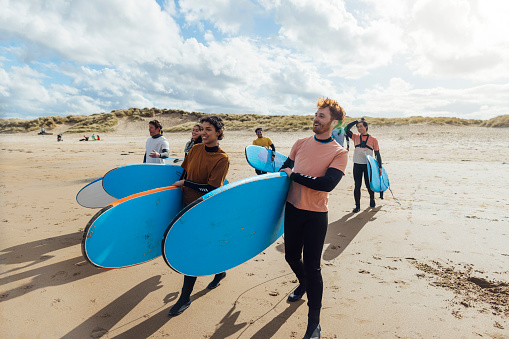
(393, 195)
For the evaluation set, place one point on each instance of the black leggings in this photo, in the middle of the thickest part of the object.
(358, 171)
(305, 234)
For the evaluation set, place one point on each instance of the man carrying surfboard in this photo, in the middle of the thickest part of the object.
(365, 144)
(318, 163)
(157, 147)
(205, 168)
(263, 142)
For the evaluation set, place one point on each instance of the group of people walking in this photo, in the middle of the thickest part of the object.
(315, 166)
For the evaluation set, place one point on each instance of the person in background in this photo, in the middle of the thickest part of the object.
(157, 147)
(365, 144)
(338, 133)
(205, 169)
(195, 138)
(318, 164)
(263, 142)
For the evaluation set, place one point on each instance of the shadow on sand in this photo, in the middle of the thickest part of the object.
(101, 323)
(341, 232)
(150, 326)
(35, 253)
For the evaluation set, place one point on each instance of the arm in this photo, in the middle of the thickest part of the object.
(145, 158)
(325, 183)
(202, 188)
(288, 164)
(348, 127)
(378, 158)
(165, 153)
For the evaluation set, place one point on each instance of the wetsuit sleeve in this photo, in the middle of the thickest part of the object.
(165, 150)
(183, 175)
(378, 158)
(145, 158)
(165, 153)
(202, 188)
(273, 148)
(288, 163)
(325, 183)
(348, 127)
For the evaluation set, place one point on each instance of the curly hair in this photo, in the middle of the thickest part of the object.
(215, 121)
(337, 112)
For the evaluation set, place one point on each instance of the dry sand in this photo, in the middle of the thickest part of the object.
(435, 266)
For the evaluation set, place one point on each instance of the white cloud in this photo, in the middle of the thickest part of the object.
(228, 16)
(23, 94)
(463, 39)
(333, 36)
(93, 31)
(400, 98)
(122, 54)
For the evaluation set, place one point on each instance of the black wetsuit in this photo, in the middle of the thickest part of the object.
(305, 235)
(361, 170)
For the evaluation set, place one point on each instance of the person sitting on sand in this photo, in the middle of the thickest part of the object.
(93, 137)
(263, 142)
(205, 169)
(59, 137)
(365, 144)
(85, 138)
(98, 137)
(195, 138)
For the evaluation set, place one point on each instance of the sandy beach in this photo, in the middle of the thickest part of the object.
(436, 266)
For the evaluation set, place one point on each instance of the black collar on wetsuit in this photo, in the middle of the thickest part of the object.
(363, 142)
(157, 136)
(324, 141)
(212, 149)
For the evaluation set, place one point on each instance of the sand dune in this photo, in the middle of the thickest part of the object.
(435, 266)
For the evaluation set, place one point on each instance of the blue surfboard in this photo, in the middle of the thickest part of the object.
(130, 230)
(376, 182)
(130, 179)
(93, 195)
(260, 158)
(228, 226)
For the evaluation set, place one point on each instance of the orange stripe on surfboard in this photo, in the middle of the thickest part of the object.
(119, 201)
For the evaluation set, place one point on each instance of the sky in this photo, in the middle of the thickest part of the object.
(377, 58)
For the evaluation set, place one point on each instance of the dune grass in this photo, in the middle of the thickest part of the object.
(107, 122)
(500, 121)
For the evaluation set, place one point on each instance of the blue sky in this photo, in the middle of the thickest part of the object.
(378, 58)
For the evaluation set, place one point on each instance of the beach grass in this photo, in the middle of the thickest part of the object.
(184, 121)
